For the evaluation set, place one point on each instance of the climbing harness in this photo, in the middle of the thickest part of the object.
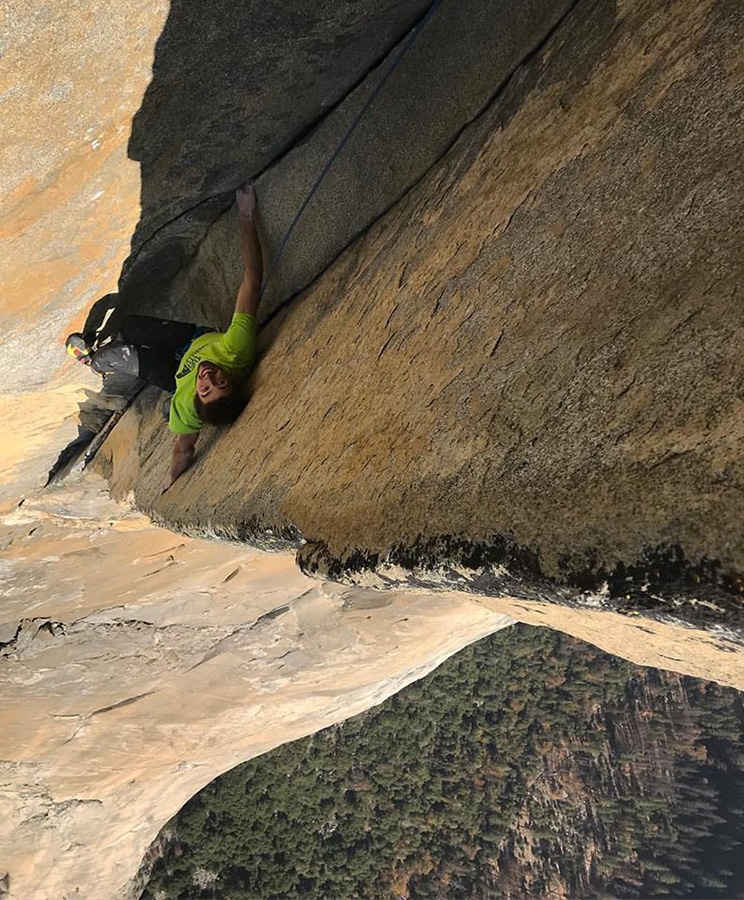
(402, 52)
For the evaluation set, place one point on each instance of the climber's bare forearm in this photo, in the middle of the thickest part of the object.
(249, 296)
(182, 456)
(180, 461)
(249, 293)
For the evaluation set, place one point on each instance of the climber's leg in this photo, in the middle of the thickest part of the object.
(116, 357)
(141, 362)
(166, 337)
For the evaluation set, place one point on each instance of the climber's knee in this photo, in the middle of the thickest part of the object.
(116, 357)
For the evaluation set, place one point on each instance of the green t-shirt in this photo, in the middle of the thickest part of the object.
(233, 351)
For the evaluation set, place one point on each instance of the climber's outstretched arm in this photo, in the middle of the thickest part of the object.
(181, 457)
(249, 293)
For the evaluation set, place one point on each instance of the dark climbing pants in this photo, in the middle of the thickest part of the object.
(148, 348)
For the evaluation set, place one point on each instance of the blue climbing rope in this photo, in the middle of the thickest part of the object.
(407, 45)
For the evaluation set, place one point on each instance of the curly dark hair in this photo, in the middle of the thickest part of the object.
(222, 411)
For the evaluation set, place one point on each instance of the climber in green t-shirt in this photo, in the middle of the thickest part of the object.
(209, 381)
(206, 368)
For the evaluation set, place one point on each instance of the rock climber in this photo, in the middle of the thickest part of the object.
(206, 370)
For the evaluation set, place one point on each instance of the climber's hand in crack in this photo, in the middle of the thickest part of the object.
(246, 200)
(181, 458)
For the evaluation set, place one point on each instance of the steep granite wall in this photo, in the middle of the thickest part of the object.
(227, 88)
(417, 98)
(534, 359)
(524, 380)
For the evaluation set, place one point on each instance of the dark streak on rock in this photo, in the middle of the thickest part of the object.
(9, 646)
(119, 704)
(662, 582)
(269, 616)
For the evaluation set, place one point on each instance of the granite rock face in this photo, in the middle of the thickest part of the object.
(523, 380)
(412, 100)
(234, 84)
(533, 360)
(137, 665)
(126, 129)
(72, 76)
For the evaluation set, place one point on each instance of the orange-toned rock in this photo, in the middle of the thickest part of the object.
(521, 381)
(72, 77)
(137, 665)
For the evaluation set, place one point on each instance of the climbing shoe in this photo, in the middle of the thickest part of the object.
(78, 349)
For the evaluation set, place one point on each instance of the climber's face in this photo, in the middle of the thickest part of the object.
(211, 382)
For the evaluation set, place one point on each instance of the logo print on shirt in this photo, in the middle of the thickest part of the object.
(189, 364)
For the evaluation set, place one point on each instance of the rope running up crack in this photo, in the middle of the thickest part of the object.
(402, 52)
